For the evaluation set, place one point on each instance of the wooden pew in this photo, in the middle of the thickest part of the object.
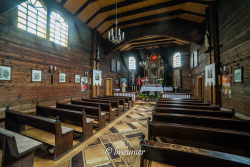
(126, 102)
(186, 156)
(106, 107)
(229, 141)
(114, 104)
(204, 121)
(132, 103)
(18, 150)
(121, 102)
(227, 114)
(63, 137)
(188, 106)
(73, 119)
(183, 102)
(95, 112)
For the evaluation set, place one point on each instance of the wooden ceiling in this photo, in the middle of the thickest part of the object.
(151, 41)
(101, 14)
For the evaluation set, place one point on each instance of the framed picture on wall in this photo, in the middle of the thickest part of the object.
(36, 76)
(196, 59)
(5, 73)
(62, 77)
(77, 78)
(118, 66)
(238, 75)
(113, 65)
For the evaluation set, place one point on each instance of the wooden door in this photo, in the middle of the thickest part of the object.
(109, 87)
(200, 87)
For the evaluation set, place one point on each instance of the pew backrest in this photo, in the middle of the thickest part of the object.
(75, 116)
(230, 141)
(46, 124)
(228, 114)
(205, 121)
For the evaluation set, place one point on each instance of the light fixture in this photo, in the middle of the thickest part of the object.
(85, 73)
(52, 68)
(116, 36)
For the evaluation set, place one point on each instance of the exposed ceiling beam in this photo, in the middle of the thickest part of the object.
(156, 16)
(113, 6)
(150, 42)
(150, 46)
(153, 43)
(149, 8)
(63, 2)
(84, 6)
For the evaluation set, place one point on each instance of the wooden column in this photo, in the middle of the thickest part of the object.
(94, 89)
(215, 51)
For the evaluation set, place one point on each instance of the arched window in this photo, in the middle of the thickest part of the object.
(58, 29)
(131, 63)
(177, 60)
(32, 17)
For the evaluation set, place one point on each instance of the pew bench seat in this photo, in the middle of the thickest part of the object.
(77, 128)
(44, 136)
(17, 150)
(24, 144)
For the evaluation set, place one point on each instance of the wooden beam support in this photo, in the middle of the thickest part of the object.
(148, 8)
(113, 6)
(84, 6)
(215, 52)
(162, 15)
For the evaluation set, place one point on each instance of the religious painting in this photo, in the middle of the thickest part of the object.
(5, 73)
(113, 65)
(36, 76)
(177, 78)
(238, 75)
(62, 77)
(226, 85)
(196, 58)
(118, 66)
(97, 77)
(210, 75)
(77, 78)
(84, 83)
(123, 82)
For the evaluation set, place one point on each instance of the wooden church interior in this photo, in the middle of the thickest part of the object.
(81, 79)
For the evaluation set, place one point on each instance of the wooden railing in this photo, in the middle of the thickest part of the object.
(176, 95)
(130, 94)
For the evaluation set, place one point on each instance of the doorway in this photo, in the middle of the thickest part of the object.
(200, 87)
(109, 86)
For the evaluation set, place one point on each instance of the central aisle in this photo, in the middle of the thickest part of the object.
(123, 135)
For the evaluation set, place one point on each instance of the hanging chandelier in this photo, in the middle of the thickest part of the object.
(116, 36)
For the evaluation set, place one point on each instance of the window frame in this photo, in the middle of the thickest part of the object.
(29, 14)
(133, 61)
(60, 32)
(177, 60)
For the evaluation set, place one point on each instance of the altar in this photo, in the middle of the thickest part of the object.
(151, 88)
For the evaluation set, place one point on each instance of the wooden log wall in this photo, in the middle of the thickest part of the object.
(234, 36)
(23, 51)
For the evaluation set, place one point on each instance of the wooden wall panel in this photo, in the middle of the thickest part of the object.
(24, 51)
